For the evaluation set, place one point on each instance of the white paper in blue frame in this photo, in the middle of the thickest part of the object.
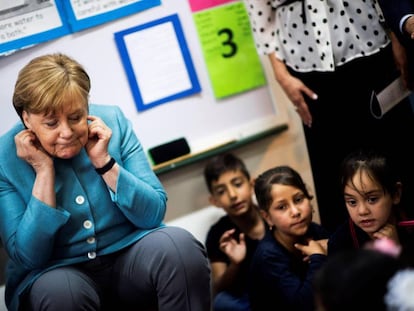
(30, 24)
(157, 62)
(81, 16)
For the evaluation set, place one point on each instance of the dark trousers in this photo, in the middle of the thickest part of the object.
(167, 270)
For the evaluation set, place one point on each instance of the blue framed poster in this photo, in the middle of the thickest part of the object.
(85, 14)
(24, 23)
(157, 62)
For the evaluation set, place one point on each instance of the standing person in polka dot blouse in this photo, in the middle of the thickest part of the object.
(329, 57)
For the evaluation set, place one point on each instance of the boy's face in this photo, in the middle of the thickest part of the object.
(232, 192)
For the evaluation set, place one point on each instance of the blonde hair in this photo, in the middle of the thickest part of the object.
(47, 83)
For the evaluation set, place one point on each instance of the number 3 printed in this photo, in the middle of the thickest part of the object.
(228, 41)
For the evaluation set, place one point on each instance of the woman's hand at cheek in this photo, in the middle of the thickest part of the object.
(99, 136)
(29, 149)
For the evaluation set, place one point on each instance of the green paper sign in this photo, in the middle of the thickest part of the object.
(229, 49)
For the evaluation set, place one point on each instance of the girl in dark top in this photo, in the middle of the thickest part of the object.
(372, 192)
(285, 261)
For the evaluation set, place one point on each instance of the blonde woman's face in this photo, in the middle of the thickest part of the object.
(62, 134)
(368, 206)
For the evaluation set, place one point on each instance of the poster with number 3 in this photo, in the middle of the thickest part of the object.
(229, 50)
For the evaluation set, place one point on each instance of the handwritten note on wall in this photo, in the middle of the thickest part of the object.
(229, 51)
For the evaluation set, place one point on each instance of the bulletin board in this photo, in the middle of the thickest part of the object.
(206, 118)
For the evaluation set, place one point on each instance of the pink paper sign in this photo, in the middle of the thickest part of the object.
(198, 5)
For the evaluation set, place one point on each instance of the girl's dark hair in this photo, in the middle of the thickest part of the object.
(355, 279)
(220, 164)
(282, 175)
(377, 167)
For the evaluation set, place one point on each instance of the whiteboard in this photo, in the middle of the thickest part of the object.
(201, 118)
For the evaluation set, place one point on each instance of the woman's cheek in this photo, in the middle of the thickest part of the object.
(84, 137)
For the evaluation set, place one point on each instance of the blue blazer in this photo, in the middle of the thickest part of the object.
(394, 12)
(90, 220)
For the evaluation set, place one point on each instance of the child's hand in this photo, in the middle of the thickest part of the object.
(324, 244)
(387, 231)
(313, 247)
(235, 250)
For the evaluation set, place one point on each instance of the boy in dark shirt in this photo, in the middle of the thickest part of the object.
(232, 240)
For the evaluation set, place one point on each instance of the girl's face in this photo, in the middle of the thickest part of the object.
(290, 212)
(62, 134)
(367, 204)
(232, 192)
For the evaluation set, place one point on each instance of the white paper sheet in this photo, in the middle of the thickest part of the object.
(390, 96)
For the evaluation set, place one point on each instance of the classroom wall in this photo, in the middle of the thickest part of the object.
(235, 116)
(185, 186)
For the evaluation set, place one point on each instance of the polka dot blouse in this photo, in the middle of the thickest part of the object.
(317, 35)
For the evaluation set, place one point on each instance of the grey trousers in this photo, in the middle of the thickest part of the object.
(167, 270)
